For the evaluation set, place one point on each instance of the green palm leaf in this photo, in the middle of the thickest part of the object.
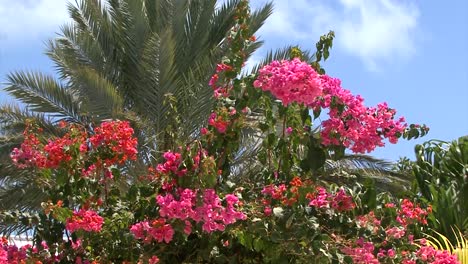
(99, 97)
(43, 94)
(122, 59)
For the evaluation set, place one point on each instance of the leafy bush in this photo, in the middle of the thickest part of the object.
(441, 170)
(190, 208)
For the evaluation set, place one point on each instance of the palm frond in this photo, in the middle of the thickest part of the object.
(130, 36)
(259, 16)
(13, 119)
(256, 21)
(100, 97)
(91, 17)
(364, 168)
(156, 77)
(159, 14)
(359, 161)
(43, 94)
(18, 189)
(74, 49)
(16, 223)
(222, 19)
(19, 192)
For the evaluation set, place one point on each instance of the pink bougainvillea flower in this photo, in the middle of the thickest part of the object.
(153, 260)
(290, 81)
(351, 123)
(86, 220)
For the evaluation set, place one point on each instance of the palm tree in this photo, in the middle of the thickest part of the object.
(147, 61)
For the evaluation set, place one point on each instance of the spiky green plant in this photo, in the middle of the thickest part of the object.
(441, 242)
(441, 170)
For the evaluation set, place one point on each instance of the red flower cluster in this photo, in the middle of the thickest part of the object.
(116, 136)
(411, 213)
(86, 220)
(339, 201)
(220, 91)
(33, 153)
(29, 154)
(276, 192)
(287, 196)
(218, 122)
(57, 151)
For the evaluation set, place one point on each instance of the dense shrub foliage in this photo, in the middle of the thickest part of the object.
(189, 208)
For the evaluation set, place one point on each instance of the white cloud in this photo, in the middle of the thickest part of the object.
(25, 20)
(375, 31)
(289, 20)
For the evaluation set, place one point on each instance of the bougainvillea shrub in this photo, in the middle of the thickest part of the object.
(189, 206)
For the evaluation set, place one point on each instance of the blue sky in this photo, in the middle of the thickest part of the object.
(410, 53)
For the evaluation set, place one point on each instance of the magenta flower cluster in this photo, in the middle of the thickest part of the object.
(339, 201)
(290, 81)
(363, 253)
(211, 213)
(11, 253)
(218, 122)
(158, 230)
(29, 154)
(173, 160)
(429, 254)
(186, 208)
(351, 123)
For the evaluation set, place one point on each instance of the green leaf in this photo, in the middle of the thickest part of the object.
(61, 178)
(258, 245)
(290, 221)
(317, 112)
(316, 157)
(209, 180)
(326, 53)
(62, 213)
(369, 198)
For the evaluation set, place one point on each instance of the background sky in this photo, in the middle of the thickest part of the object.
(410, 53)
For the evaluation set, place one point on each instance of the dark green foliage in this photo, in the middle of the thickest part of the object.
(441, 171)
